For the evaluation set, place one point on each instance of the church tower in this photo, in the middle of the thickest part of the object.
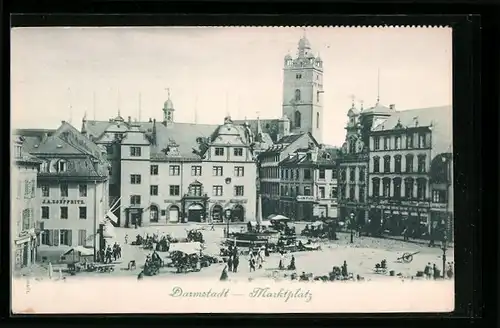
(303, 91)
(168, 110)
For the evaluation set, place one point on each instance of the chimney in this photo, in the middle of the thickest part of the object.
(129, 119)
(392, 106)
(154, 133)
(150, 120)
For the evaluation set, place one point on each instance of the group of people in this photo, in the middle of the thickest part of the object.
(233, 260)
(432, 272)
(281, 264)
(107, 256)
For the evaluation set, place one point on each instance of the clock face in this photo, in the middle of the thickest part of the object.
(359, 146)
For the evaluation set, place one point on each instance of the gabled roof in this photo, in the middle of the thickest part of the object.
(440, 119)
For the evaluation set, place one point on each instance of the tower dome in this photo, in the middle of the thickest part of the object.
(169, 105)
(288, 57)
(304, 43)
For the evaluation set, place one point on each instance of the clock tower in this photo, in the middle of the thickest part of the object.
(303, 91)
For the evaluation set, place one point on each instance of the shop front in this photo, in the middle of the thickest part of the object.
(133, 216)
(441, 222)
(194, 209)
(305, 208)
(25, 250)
(397, 219)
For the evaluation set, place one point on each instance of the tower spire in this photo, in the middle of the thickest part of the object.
(119, 103)
(140, 106)
(93, 104)
(196, 109)
(227, 105)
(378, 86)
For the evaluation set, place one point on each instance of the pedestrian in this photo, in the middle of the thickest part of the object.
(435, 271)
(344, 270)
(212, 227)
(109, 253)
(126, 239)
(266, 250)
(119, 249)
(251, 262)
(292, 264)
(224, 275)
(282, 261)
(230, 262)
(236, 262)
(427, 270)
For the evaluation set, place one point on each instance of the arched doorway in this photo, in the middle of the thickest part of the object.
(153, 214)
(173, 214)
(195, 213)
(238, 214)
(217, 213)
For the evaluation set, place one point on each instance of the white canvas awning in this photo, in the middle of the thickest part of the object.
(188, 248)
(81, 250)
(280, 218)
(110, 216)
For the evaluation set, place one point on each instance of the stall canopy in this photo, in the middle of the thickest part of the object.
(80, 250)
(188, 248)
(317, 224)
(108, 230)
(280, 218)
(266, 224)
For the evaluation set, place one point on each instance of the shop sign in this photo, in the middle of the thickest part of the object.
(305, 198)
(414, 203)
(238, 201)
(63, 201)
(438, 206)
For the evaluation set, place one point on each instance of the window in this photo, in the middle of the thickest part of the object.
(321, 191)
(361, 195)
(397, 187)
(421, 164)
(195, 190)
(286, 174)
(386, 143)
(317, 120)
(61, 166)
(352, 193)
(291, 174)
(109, 149)
(333, 192)
(298, 76)
(174, 170)
(398, 142)
(409, 188)
(352, 174)
(282, 191)
(421, 188)
(219, 151)
(376, 143)
(153, 190)
(409, 163)
(361, 174)
(18, 151)
(307, 191)
(45, 212)
(322, 174)
(282, 174)
(386, 187)
(83, 212)
(217, 191)
(238, 151)
(376, 164)
(135, 200)
(317, 98)
(135, 151)
(421, 140)
(64, 190)
(26, 219)
(352, 146)
(239, 191)
(439, 196)
(217, 171)
(343, 175)
(65, 237)
(239, 171)
(409, 141)
(297, 119)
(196, 170)
(342, 194)
(297, 174)
(82, 189)
(397, 163)
(387, 164)
(47, 237)
(64, 212)
(82, 237)
(174, 190)
(45, 191)
(297, 191)
(135, 179)
(376, 187)
(297, 95)
(307, 174)
(153, 169)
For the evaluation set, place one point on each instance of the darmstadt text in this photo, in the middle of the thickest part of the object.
(282, 293)
(179, 292)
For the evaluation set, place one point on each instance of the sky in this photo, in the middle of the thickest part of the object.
(62, 73)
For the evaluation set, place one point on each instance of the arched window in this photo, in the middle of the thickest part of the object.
(317, 120)
(297, 95)
(352, 145)
(153, 212)
(409, 188)
(376, 164)
(297, 118)
(397, 187)
(409, 163)
(387, 164)
(421, 188)
(386, 187)
(376, 187)
(397, 163)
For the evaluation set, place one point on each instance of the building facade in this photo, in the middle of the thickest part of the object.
(353, 162)
(73, 190)
(402, 149)
(25, 206)
(303, 91)
(308, 186)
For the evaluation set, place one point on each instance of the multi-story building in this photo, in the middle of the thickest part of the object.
(25, 205)
(179, 172)
(353, 162)
(270, 172)
(308, 185)
(402, 149)
(72, 187)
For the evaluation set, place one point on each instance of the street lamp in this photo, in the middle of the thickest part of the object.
(227, 214)
(352, 223)
(444, 249)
